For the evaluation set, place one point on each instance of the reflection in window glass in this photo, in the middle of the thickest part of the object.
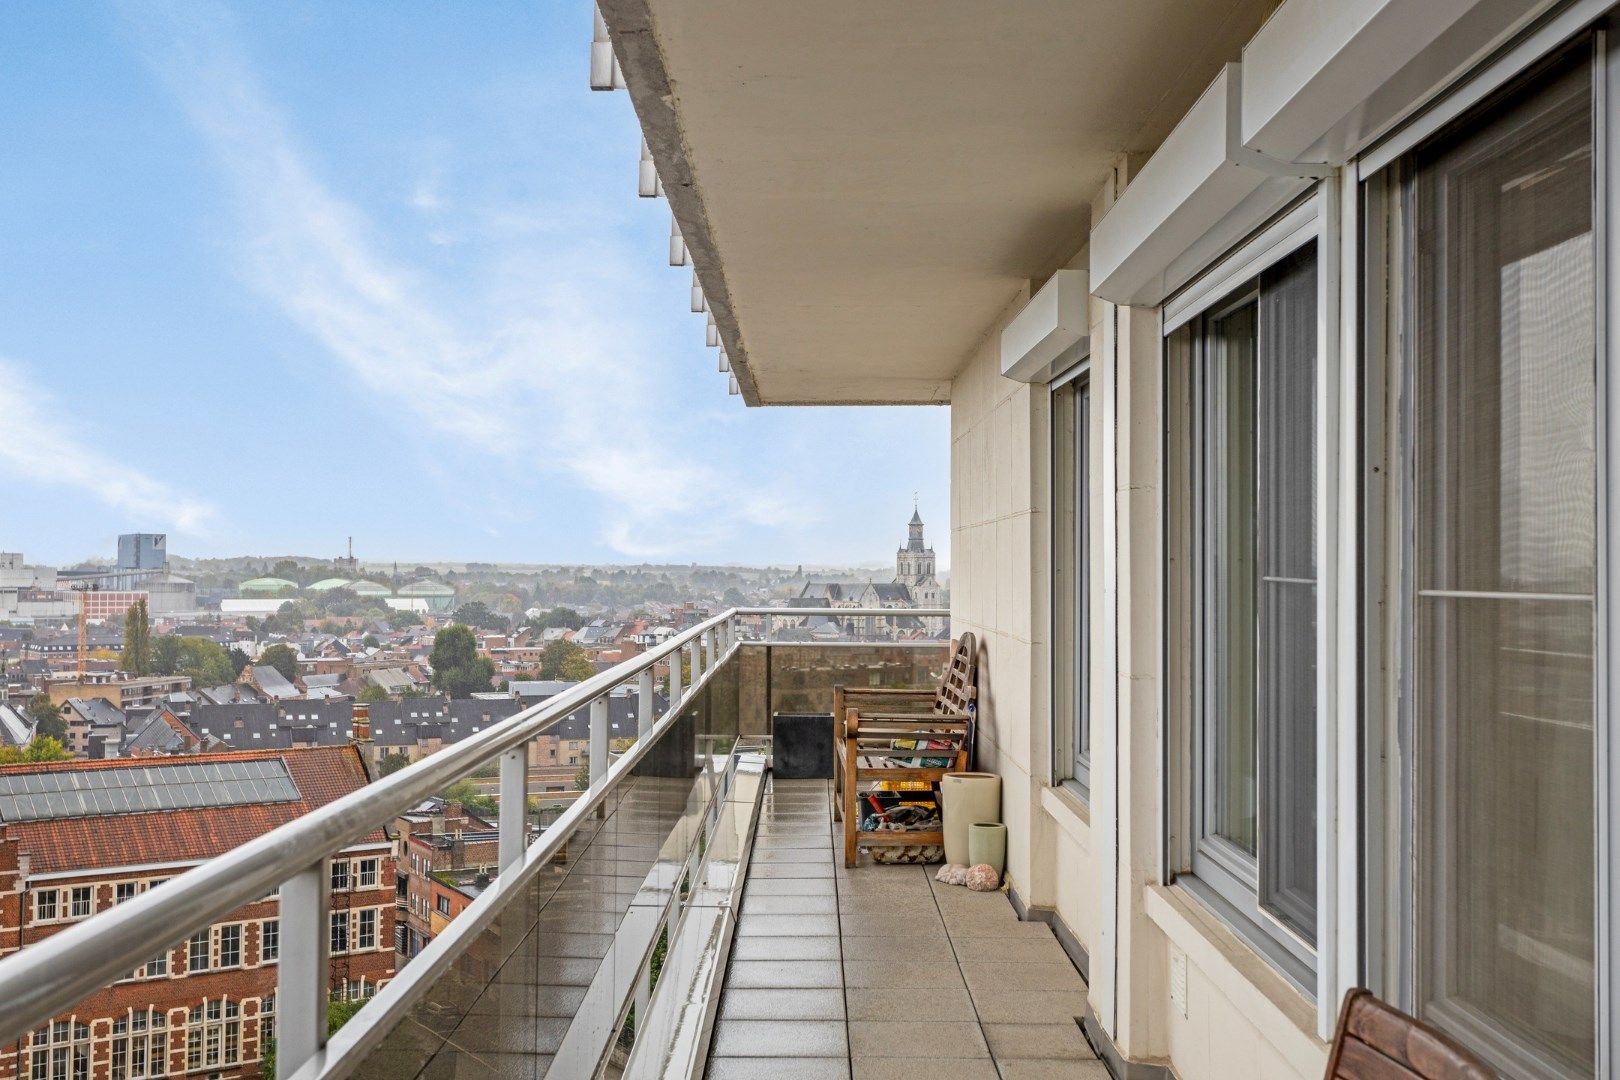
(1504, 571)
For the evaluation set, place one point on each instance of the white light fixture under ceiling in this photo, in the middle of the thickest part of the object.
(605, 72)
(648, 185)
(677, 244)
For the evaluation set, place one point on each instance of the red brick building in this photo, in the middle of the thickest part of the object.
(73, 845)
(442, 853)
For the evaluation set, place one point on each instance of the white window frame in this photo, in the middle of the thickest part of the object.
(220, 933)
(1387, 882)
(205, 940)
(1071, 734)
(61, 1050)
(1325, 216)
(151, 1038)
(269, 941)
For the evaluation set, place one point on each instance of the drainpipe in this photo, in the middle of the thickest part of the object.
(23, 866)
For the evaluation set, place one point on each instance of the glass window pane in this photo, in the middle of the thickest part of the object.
(1230, 533)
(1285, 510)
(1504, 573)
(1071, 732)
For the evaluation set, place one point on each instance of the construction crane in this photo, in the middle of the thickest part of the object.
(82, 587)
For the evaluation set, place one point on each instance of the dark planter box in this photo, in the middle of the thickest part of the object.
(802, 746)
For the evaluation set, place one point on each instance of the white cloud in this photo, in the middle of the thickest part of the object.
(40, 447)
(538, 370)
(426, 196)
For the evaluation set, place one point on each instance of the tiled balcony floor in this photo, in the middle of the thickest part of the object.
(881, 972)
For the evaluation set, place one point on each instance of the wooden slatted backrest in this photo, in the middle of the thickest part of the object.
(1376, 1041)
(959, 685)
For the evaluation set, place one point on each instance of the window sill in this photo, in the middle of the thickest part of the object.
(1070, 812)
(1241, 975)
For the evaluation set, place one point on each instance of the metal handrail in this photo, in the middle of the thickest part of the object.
(45, 979)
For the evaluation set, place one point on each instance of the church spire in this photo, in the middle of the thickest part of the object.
(914, 538)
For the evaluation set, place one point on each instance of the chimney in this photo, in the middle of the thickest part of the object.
(362, 722)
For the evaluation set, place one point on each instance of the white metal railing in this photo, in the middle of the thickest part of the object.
(51, 977)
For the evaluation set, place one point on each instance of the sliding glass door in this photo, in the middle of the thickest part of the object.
(1494, 411)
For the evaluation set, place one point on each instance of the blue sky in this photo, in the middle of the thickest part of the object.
(277, 274)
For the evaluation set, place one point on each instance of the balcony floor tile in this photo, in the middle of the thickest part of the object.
(910, 974)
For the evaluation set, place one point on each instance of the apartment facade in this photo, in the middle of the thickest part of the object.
(434, 847)
(1276, 343)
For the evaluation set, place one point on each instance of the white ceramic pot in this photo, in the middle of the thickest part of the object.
(969, 798)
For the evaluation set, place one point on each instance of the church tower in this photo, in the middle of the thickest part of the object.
(914, 565)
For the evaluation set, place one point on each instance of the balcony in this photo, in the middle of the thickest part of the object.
(686, 915)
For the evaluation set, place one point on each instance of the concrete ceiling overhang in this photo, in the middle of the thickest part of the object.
(864, 187)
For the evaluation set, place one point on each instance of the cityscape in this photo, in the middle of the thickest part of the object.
(148, 717)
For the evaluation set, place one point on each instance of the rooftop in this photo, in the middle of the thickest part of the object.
(319, 775)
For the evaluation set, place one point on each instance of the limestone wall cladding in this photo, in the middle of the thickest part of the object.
(1092, 861)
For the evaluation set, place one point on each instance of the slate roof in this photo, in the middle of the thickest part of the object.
(255, 725)
(538, 689)
(895, 591)
(320, 774)
(97, 712)
(15, 728)
(228, 694)
(155, 735)
(392, 680)
(274, 683)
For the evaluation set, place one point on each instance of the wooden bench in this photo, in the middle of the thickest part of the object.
(1376, 1041)
(918, 735)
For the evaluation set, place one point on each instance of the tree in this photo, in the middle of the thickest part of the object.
(458, 670)
(561, 616)
(204, 663)
(477, 613)
(137, 655)
(283, 659)
(391, 764)
(47, 718)
(166, 655)
(40, 748)
(239, 660)
(466, 793)
(565, 660)
(733, 597)
(370, 641)
(372, 692)
(339, 1011)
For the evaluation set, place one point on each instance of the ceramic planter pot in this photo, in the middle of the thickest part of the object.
(969, 798)
(987, 844)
